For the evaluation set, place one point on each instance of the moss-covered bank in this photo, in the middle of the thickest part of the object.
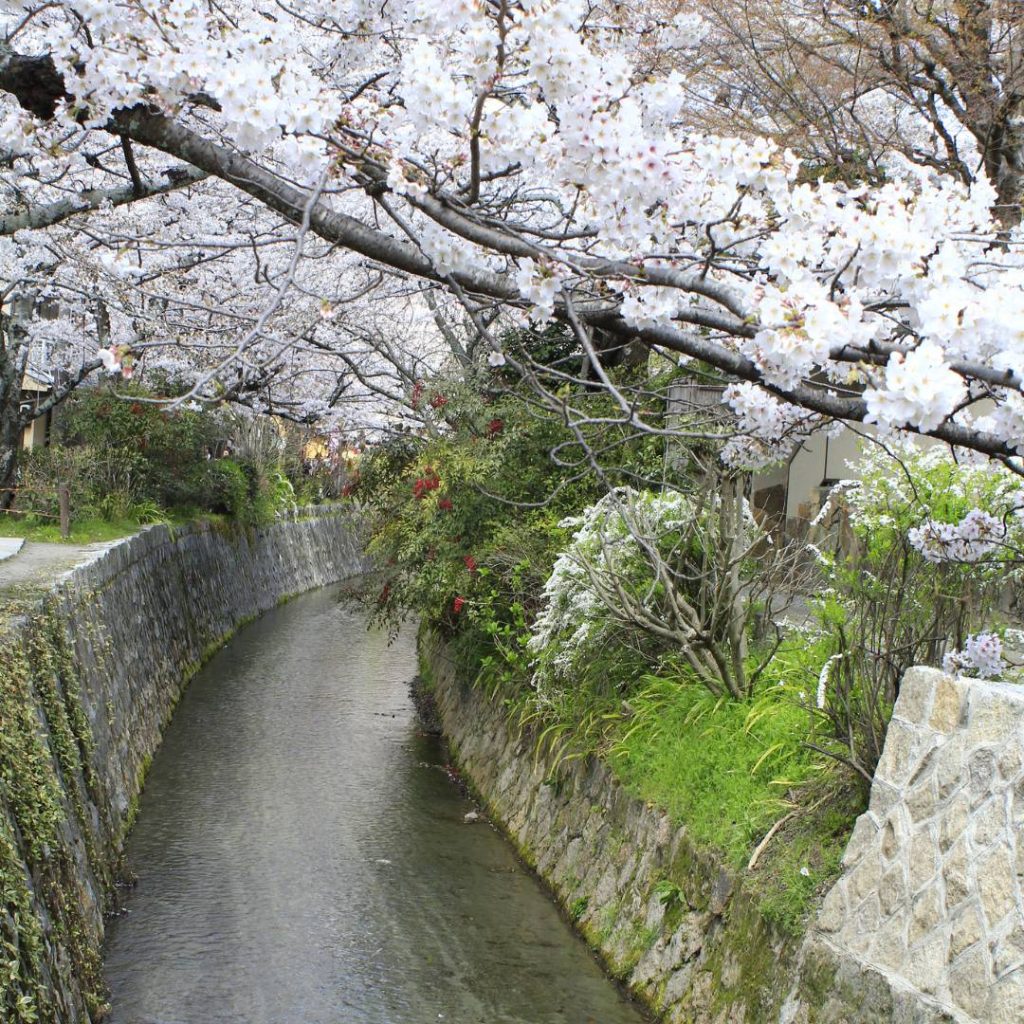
(89, 675)
(669, 919)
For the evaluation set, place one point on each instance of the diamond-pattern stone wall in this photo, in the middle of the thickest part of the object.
(930, 894)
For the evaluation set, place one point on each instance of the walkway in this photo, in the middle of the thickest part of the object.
(27, 574)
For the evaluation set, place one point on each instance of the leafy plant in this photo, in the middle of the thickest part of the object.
(891, 604)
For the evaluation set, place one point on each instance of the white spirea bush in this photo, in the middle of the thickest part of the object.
(950, 511)
(579, 615)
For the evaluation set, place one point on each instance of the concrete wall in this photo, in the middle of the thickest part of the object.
(87, 683)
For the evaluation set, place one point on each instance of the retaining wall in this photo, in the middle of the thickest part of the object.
(702, 955)
(929, 907)
(924, 926)
(88, 679)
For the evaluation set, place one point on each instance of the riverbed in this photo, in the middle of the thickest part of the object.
(303, 856)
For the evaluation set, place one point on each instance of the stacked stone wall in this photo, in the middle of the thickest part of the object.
(88, 680)
(930, 898)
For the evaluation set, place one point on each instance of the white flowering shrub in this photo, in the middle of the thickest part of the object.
(650, 577)
(950, 511)
(577, 621)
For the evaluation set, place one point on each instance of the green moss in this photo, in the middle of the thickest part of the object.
(748, 966)
(43, 764)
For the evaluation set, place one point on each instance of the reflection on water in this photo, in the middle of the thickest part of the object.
(302, 858)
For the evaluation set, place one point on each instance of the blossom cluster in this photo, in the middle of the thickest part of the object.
(768, 428)
(534, 111)
(972, 539)
(982, 655)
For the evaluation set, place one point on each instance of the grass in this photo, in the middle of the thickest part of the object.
(734, 772)
(738, 774)
(83, 531)
(729, 770)
(96, 529)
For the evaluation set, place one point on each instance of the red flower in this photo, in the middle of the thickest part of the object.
(430, 481)
(445, 504)
(495, 427)
(457, 604)
(470, 562)
(417, 394)
(438, 401)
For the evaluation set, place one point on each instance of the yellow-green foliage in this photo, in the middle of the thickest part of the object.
(45, 741)
(731, 771)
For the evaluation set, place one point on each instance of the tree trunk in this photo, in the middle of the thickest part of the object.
(64, 503)
(10, 445)
(11, 426)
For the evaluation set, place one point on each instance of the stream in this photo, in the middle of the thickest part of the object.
(303, 858)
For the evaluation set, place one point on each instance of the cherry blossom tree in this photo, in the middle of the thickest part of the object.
(524, 158)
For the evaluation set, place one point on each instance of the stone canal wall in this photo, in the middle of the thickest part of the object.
(668, 921)
(89, 676)
(924, 926)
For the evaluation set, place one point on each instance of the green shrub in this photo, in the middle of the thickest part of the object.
(167, 446)
(887, 606)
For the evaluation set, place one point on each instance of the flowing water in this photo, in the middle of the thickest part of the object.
(302, 857)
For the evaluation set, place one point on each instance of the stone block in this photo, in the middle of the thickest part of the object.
(947, 705)
(992, 718)
(889, 947)
(678, 984)
(863, 926)
(917, 690)
(951, 766)
(997, 885)
(1008, 952)
(862, 839)
(900, 754)
(967, 929)
(894, 889)
(884, 796)
(970, 982)
(953, 823)
(922, 800)
(1005, 1003)
(982, 773)
(1010, 759)
(833, 913)
(956, 873)
(924, 859)
(926, 964)
(864, 880)
(926, 911)
(989, 823)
